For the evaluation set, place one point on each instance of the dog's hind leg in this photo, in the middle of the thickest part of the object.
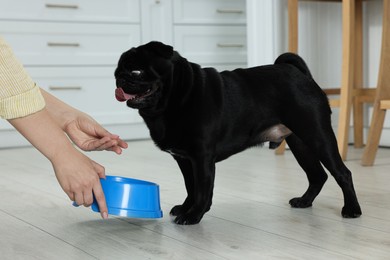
(313, 168)
(320, 139)
(330, 157)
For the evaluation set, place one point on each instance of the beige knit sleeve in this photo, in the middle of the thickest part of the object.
(19, 95)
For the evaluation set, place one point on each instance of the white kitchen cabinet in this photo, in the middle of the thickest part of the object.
(71, 48)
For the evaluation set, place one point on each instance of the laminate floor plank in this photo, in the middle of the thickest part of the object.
(22, 240)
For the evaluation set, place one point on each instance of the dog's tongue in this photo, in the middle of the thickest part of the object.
(122, 96)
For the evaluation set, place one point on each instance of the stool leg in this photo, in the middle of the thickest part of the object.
(292, 44)
(348, 7)
(382, 92)
(374, 135)
(293, 26)
(358, 75)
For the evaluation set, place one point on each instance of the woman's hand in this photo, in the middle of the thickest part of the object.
(82, 129)
(79, 177)
(88, 135)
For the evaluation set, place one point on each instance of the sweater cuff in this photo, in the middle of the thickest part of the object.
(22, 105)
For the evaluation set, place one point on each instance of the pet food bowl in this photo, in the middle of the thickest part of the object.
(130, 198)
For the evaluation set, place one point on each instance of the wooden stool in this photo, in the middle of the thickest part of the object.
(352, 67)
(382, 98)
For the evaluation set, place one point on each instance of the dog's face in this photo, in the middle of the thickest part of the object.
(141, 74)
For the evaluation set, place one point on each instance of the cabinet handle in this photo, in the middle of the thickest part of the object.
(230, 45)
(230, 11)
(63, 44)
(54, 88)
(62, 6)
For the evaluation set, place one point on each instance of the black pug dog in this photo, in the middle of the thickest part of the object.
(202, 116)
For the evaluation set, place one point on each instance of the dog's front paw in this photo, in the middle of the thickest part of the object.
(177, 210)
(186, 217)
(351, 212)
(300, 203)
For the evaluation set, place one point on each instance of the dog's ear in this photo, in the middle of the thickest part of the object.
(159, 48)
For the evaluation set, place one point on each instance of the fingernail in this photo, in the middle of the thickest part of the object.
(104, 215)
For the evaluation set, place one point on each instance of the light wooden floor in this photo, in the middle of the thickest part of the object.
(250, 217)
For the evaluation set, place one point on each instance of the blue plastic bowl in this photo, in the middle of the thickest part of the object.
(130, 197)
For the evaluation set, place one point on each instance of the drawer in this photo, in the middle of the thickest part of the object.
(89, 89)
(42, 43)
(212, 44)
(209, 11)
(71, 10)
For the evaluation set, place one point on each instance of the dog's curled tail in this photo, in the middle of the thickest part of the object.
(295, 60)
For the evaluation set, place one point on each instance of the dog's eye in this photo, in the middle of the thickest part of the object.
(136, 73)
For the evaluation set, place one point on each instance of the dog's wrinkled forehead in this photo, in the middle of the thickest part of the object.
(158, 49)
(133, 59)
(144, 57)
(147, 54)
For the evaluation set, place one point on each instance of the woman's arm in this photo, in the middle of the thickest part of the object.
(76, 173)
